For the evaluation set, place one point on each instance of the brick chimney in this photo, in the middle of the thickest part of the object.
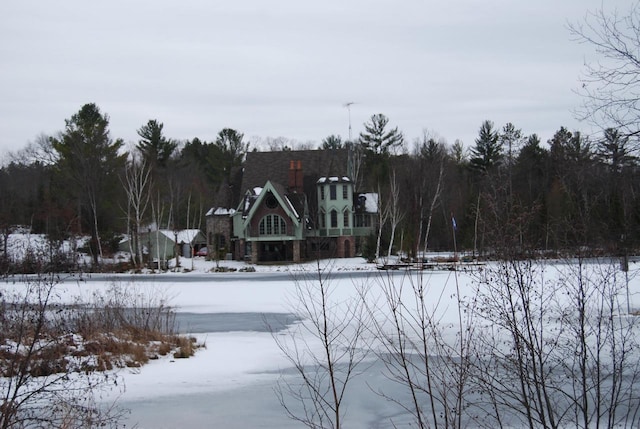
(295, 176)
(299, 178)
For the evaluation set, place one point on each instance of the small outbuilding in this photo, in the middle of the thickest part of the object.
(163, 244)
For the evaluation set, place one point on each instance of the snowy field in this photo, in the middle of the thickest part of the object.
(231, 382)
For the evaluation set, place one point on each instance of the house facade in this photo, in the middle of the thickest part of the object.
(296, 205)
(219, 230)
(165, 244)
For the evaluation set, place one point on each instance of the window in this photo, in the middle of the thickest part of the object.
(323, 220)
(272, 225)
(332, 192)
(269, 220)
(322, 192)
(345, 219)
(334, 219)
(363, 220)
(271, 201)
(345, 192)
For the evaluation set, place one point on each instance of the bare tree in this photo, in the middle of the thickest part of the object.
(611, 84)
(556, 349)
(41, 151)
(137, 185)
(194, 224)
(157, 214)
(383, 216)
(356, 162)
(423, 350)
(37, 390)
(325, 350)
(394, 209)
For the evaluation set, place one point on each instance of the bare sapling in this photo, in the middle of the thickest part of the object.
(325, 350)
(424, 337)
(41, 388)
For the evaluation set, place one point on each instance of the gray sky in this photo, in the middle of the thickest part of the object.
(286, 67)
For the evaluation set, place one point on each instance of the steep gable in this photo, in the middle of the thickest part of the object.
(254, 201)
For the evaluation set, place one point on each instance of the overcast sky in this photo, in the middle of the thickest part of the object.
(287, 67)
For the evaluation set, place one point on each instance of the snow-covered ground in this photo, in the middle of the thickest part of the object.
(238, 369)
(231, 382)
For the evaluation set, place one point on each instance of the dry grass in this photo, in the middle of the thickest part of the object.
(123, 328)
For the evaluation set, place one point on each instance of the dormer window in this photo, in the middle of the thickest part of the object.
(322, 192)
(332, 192)
(345, 192)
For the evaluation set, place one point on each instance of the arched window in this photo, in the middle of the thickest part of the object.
(345, 219)
(273, 224)
(334, 219)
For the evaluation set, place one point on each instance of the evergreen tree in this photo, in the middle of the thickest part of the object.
(613, 150)
(154, 146)
(487, 153)
(377, 138)
(231, 150)
(89, 163)
(332, 142)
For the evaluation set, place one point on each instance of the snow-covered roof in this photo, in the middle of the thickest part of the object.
(371, 202)
(220, 211)
(184, 235)
(333, 179)
(257, 190)
(292, 207)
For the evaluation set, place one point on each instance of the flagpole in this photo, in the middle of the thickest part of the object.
(454, 226)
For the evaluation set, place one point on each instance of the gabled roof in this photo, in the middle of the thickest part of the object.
(253, 200)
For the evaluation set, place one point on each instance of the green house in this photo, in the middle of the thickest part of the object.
(313, 214)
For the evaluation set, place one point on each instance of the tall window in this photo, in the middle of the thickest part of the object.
(272, 224)
(345, 192)
(323, 220)
(322, 192)
(334, 219)
(332, 192)
(363, 220)
(345, 219)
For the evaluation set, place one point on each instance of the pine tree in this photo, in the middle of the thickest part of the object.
(377, 139)
(154, 146)
(487, 153)
(89, 163)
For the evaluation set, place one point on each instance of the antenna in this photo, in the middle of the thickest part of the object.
(348, 106)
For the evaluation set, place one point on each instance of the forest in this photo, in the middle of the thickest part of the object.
(507, 190)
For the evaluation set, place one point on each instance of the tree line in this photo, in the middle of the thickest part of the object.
(574, 191)
(84, 182)
(510, 189)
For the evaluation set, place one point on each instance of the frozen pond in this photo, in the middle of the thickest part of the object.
(200, 323)
(232, 382)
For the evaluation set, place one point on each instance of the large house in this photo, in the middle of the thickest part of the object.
(295, 205)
